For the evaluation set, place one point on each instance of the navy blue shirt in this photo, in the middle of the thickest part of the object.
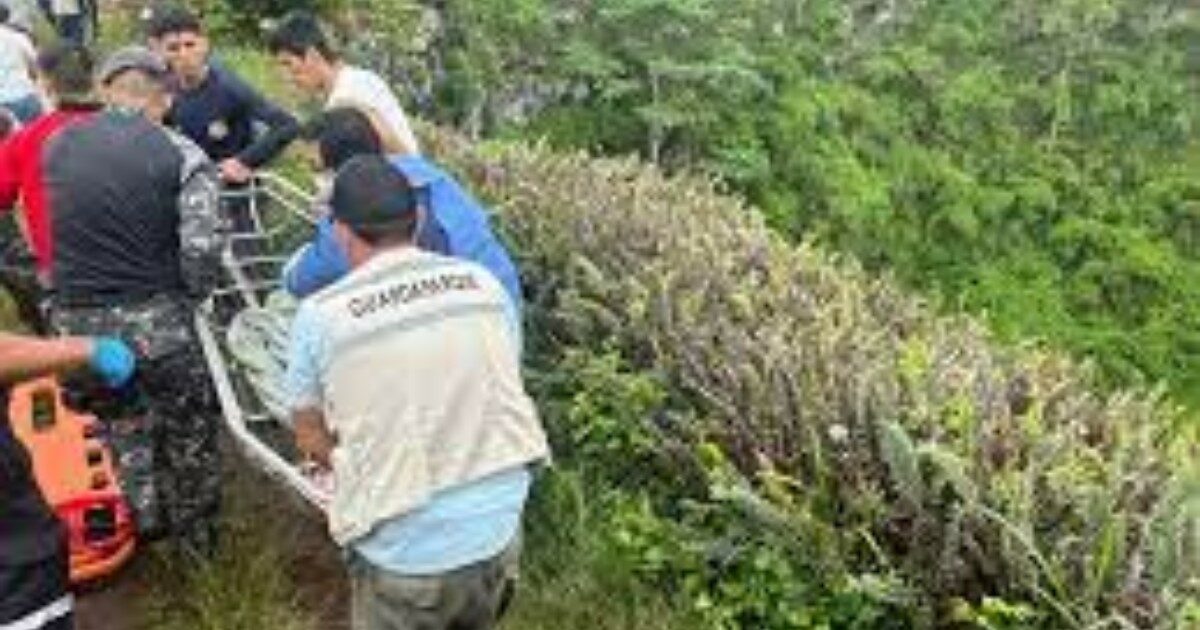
(220, 113)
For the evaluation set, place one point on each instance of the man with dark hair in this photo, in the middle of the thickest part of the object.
(455, 224)
(304, 52)
(135, 226)
(65, 75)
(33, 553)
(404, 379)
(215, 107)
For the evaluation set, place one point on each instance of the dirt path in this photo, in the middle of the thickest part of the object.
(108, 606)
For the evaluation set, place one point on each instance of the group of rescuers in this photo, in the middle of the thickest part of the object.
(403, 374)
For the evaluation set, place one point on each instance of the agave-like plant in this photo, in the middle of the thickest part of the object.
(976, 469)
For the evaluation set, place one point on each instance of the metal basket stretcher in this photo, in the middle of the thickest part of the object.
(274, 217)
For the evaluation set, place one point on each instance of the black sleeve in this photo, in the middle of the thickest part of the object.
(282, 127)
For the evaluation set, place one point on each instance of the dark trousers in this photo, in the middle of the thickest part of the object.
(164, 433)
(36, 596)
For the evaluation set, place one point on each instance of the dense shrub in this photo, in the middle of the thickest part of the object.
(1031, 160)
(883, 437)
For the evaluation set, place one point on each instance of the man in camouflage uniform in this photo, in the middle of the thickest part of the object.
(137, 245)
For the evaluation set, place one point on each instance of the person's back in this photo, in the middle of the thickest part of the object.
(134, 212)
(115, 182)
(455, 223)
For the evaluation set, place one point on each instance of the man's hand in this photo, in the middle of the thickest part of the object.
(112, 360)
(234, 172)
(313, 439)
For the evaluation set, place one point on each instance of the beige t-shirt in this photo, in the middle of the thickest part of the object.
(356, 87)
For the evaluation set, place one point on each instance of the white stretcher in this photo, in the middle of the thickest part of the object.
(276, 218)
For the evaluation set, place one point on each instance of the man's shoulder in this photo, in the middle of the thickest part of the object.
(227, 80)
(51, 122)
(56, 127)
(194, 159)
(357, 80)
(400, 267)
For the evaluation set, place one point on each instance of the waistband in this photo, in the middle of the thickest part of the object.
(104, 300)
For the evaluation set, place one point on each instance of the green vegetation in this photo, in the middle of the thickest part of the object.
(1032, 161)
(816, 447)
(753, 432)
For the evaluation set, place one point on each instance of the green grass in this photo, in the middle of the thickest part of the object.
(572, 577)
(246, 586)
(277, 569)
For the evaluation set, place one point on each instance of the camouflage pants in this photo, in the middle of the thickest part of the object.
(163, 432)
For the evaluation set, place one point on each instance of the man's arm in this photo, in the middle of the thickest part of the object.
(307, 359)
(317, 264)
(27, 357)
(282, 127)
(201, 237)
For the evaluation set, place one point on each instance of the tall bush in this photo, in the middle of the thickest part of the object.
(852, 414)
(1030, 160)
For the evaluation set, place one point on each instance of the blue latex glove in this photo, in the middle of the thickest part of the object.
(112, 361)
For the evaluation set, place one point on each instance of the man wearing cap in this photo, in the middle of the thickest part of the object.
(135, 230)
(455, 223)
(404, 380)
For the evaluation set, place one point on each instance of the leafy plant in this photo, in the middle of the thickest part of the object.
(906, 443)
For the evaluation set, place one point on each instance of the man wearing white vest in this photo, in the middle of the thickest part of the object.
(404, 380)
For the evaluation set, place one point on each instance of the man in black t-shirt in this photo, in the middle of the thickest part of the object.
(33, 548)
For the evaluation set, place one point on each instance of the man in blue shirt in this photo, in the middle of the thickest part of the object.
(214, 107)
(455, 223)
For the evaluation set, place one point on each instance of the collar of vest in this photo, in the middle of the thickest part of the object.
(392, 256)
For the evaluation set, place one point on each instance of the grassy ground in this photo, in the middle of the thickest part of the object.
(277, 569)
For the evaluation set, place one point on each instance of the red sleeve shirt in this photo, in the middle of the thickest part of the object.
(22, 178)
